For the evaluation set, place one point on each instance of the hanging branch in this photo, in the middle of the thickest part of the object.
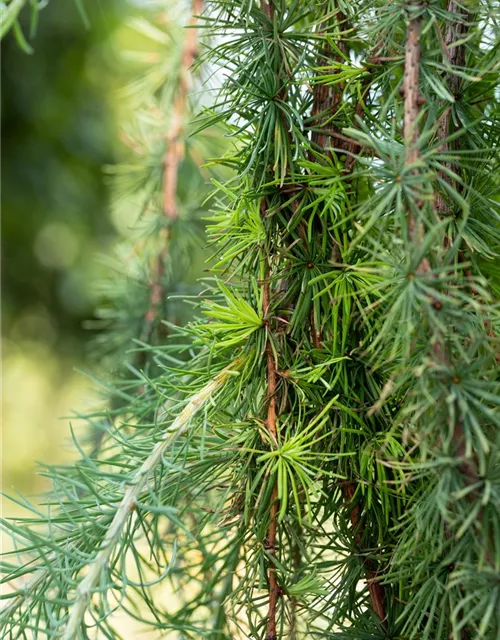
(455, 32)
(131, 496)
(331, 103)
(267, 8)
(375, 588)
(327, 97)
(173, 158)
(270, 544)
(172, 162)
(455, 55)
(411, 85)
(125, 509)
(454, 51)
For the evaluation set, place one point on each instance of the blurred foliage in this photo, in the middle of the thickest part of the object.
(57, 131)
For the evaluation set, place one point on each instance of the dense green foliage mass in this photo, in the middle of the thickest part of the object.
(318, 455)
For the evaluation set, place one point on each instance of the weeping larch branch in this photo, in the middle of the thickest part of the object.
(174, 155)
(270, 543)
(455, 53)
(271, 424)
(330, 97)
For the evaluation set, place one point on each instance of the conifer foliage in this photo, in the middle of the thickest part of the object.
(12, 12)
(326, 463)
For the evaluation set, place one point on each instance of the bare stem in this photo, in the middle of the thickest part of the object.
(173, 158)
(411, 88)
(411, 106)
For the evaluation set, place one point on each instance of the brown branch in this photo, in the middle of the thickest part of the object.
(274, 588)
(175, 147)
(173, 158)
(267, 7)
(411, 106)
(270, 544)
(411, 88)
(375, 589)
(275, 591)
(456, 57)
(326, 98)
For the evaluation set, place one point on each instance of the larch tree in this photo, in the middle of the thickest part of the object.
(317, 453)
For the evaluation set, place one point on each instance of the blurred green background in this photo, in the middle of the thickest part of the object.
(59, 128)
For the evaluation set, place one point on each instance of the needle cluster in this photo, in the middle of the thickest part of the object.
(326, 464)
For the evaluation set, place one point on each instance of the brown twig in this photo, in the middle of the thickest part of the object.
(267, 8)
(375, 589)
(326, 98)
(411, 88)
(173, 158)
(411, 107)
(175, 147)
(274, 588)
(275, 591)
(456, 57)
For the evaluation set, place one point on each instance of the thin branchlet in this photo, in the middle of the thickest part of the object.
(267, 7)
(330, 105)
(133, 493)
(411, 87)
(172, 161)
